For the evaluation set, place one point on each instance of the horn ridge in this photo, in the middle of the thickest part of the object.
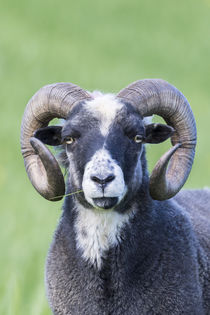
(156, 96)
(51, 101)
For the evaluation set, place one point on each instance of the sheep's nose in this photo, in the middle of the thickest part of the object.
(103, 181)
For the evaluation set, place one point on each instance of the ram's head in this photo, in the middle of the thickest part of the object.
(103, 137)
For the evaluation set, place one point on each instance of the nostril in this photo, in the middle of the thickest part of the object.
(110, 178)
(103, 181)
(96, 179)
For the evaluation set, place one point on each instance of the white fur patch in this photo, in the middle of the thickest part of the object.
(104, 107)
(102, 165)
(97, 231)
(147, 120)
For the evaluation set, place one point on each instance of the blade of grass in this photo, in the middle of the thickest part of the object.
(70, 194)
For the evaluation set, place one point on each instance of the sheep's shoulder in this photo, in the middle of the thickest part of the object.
(197, 204)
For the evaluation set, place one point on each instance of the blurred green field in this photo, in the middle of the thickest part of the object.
(101, 45)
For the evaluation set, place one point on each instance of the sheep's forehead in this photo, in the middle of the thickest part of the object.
(104, 108)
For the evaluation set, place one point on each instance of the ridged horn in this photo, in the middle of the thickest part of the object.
(155, 96)
(51, 101)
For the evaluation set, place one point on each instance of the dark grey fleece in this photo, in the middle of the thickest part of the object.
(161, 266)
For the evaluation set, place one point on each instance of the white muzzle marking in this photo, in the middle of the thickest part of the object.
(102, 165)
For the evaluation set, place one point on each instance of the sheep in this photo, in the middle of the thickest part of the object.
(127, 242)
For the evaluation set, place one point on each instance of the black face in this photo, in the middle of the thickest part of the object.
(104, 152)
(104, 164)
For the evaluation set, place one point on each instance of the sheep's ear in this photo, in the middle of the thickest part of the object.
(157, 133)
(50, 135)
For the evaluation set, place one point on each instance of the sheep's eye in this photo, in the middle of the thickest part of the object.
(69, 140)
(138, 139)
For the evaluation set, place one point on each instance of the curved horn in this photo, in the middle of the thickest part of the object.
(51, 101)
(155, 96)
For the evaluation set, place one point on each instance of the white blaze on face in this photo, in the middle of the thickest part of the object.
(104, 108)
(102, 165)
(98, 230)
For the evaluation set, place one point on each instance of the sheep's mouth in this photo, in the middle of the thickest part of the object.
(105, 202)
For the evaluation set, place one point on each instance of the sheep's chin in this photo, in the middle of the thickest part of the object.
(105, 203)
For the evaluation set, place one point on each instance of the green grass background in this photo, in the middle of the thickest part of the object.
(101, 45)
